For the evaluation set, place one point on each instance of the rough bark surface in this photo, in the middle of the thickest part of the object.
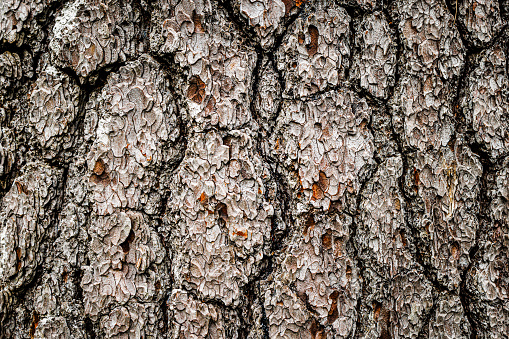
(254, 169)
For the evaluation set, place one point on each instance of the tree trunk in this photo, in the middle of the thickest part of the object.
(254, 169)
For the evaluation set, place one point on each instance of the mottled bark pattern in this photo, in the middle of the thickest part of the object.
(254, 169)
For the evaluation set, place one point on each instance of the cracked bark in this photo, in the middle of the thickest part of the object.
(254, 169)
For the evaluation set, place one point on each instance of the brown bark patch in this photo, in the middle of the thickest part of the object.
(33, 326)
(204, 199)
(317, 331)
(403, 238)
(349, 272)
(22, 188)
(65, 276)
(312, 47)
(309, 225)
(327, 240)
(377, 307)
(301, 38)
(198, 28)
(196, 89)
(240, 233)
(333, 312)
(317, 192)
(416, 179)
(100, 179)
(288, 6)
(455, 251)
(323, 181)
(337, 247)
(18, 259)
(99, 167)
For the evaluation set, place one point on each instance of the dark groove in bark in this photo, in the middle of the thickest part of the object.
(424, 332)
(417, 244)
(484, 200)
(89, 328)
(463, 33)
(241, 24)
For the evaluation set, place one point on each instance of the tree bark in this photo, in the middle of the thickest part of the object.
(254, 169)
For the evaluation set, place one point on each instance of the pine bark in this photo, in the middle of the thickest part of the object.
(254, 169)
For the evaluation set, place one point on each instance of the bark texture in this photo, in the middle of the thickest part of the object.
(254, 169)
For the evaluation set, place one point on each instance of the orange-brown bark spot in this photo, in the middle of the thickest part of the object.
(451, 144)
(99, 167)
(299, 3)
(196, 89)
(377, 307)
(326, 131)
(337, 247)
(403, 238)
(323, 181)
(240, 233)
(312, 47)
(100, 179)
(348, 272)
(382, 315)
(91, 50)
(455, 251)
(397, 204)
(33, 326)
(75, 58)
(349, 187)
(416, 179)
(333, 312)
(384, 334)
(327, 240)
(317, 192)
(65, 275)
(203, 198)
(198, 28)
(277, 144)
(301, 38)
(309, 225)
(317, 331)
(18, 259)
(288, 6)
(21, 187)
